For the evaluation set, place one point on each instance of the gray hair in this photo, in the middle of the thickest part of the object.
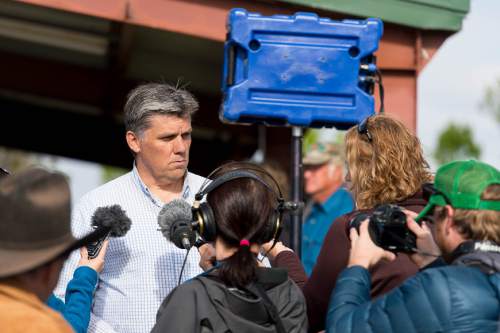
(156, 99)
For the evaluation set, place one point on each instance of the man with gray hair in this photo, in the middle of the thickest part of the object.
(323, 179)
(142, 267)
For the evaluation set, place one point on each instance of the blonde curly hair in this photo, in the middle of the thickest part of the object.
(387, 168)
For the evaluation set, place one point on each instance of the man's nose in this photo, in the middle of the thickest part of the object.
(179, 145)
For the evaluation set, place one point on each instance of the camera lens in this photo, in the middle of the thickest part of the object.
(356, 221)
(398, 217)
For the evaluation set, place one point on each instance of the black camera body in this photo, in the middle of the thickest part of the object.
(387, 228)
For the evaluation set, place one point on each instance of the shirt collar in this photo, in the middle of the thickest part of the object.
(186, 189)
(330, 203)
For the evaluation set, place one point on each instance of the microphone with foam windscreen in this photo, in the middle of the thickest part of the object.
(175, 221)
(114, 220)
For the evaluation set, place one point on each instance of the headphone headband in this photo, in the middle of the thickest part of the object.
(232, 175)
(246, 171)
(204, 215)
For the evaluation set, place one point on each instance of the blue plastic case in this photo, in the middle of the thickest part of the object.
(298, 70)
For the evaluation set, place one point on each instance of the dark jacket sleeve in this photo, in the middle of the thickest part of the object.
(333, 259)
(291, 262)
(291, 307)
(177, 313)
(79, 295)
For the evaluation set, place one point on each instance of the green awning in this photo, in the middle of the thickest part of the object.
(420, 14)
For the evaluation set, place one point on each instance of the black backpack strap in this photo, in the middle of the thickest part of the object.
(269, 305)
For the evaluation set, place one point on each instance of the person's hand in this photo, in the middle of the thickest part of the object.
(363, 251)
(97, 264)
(427, 247)
(277, 249)
(207, 256)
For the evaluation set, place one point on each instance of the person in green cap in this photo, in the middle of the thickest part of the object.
(457, 292)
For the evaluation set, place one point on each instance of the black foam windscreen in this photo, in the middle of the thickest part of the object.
(175, 210)
(175, 220)
(111, 217)
(115, 223)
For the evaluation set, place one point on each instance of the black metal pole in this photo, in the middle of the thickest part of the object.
(297, 179)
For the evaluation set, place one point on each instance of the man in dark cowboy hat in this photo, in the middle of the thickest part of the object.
(35, 238)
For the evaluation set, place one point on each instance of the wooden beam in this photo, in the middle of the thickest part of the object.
(102, 140)
(50, 78)
(119, 51)
(207, 19)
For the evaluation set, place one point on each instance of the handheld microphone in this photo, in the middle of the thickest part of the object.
(114, 220)
(175, 221)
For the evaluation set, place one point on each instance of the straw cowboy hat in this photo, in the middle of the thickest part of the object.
(35, 214)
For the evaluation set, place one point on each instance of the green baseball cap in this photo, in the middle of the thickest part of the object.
(460, 185)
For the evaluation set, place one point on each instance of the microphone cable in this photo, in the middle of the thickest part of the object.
(378, 80)
(265, 254)
(374, 75)
(183, 266)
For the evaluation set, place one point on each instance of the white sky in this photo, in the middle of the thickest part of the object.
(449, 90)
(452, 85)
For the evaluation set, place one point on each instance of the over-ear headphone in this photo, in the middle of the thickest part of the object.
(203, 214)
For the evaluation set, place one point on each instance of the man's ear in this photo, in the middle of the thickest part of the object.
(133, 141)
(448, 222)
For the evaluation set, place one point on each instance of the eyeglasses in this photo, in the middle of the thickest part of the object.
(429, 218)
(363, 129)
(428, 190)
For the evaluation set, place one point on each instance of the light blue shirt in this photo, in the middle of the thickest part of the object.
(318, 223)
(140, 268)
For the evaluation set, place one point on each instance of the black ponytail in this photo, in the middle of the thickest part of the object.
(242, 209)
(239, 269)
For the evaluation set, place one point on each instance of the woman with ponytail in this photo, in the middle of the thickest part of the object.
(238, 294)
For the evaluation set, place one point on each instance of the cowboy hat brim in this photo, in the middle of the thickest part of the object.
(16, 261)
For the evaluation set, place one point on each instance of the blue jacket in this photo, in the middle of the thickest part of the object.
(79, 295)
(445, 299)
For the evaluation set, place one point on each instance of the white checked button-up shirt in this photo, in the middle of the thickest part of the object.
(142, 267)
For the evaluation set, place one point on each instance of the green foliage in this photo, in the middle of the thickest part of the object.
(310, 137)
(456, 142)
(339, 137)
(16, 160)
(109, 173)
(491, 100)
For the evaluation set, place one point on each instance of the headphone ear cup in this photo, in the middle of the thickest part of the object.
(206, 215)
(273, 226)
(278, 226)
